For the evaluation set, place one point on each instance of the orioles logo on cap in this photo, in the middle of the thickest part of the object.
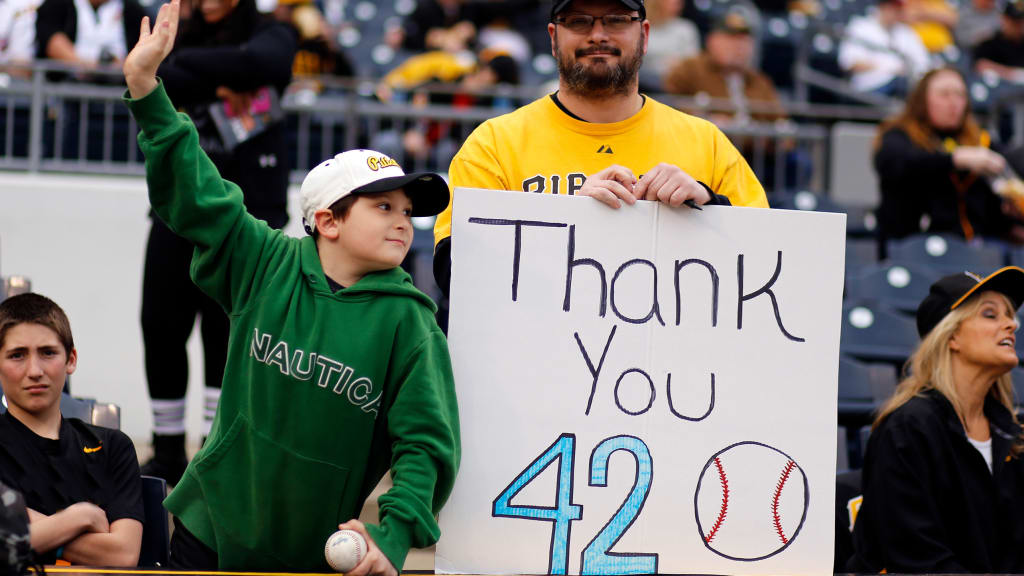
(377, 162)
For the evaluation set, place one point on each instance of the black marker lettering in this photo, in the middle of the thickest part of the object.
(595, 372)
(766, 289)
(571, 263)
(518, 241)
(655, 308)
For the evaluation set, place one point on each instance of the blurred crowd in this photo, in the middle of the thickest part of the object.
(458, 54)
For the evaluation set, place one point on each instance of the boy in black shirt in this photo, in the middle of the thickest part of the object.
(81, 482)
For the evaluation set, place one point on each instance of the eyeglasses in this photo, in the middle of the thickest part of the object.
(583, 23)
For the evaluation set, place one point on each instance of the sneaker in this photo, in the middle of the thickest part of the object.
(169, 460)
(169, 471)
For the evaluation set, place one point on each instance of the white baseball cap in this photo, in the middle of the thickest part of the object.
(368, 172)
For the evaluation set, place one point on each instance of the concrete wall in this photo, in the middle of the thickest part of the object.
(81, 240)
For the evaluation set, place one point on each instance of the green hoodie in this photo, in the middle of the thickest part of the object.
(323, 392)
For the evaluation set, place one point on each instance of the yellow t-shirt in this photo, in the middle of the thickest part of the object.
(540, 148)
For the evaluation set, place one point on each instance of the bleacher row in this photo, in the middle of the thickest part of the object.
(880, 299)
(784, 37)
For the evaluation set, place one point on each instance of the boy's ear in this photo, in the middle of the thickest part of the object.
(72, 361)
(326, 224)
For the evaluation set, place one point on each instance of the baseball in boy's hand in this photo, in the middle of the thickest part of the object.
(345, 549)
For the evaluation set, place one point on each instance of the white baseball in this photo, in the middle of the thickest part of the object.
(345, 549)
(751, 501)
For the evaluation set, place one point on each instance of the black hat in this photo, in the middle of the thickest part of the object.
(732, 22)
(637, 5)
(951, 291)
(1015, 9)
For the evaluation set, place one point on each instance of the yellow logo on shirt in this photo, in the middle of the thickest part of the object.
(377, 162)
(88, 450)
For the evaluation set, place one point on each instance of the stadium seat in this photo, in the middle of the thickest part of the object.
(947, 254)
(81, 408)
(862, 388)
(106, 415)
(875, 333)
(898, 285)
(90, 411)
(860, 254)
(848, 494)
(156, 531)
(842, 452)
(861, 221)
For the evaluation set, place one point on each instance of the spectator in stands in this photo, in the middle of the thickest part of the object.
(80, 482)
(881, 53)
(89, 33)
(436, 141)
(228, 70)
(17, 31)
(597, 135)
(672, 40)
(316, 53)
(977, 20)
(943, 469)
(1003, 54)
(933, 161)
(725, 71)
(933, 20)
(448, 25)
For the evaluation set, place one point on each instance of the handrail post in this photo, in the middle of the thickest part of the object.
(35, 126)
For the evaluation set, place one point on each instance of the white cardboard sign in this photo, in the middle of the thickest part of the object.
(642, 390)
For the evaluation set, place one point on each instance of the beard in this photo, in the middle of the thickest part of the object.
(600, 78)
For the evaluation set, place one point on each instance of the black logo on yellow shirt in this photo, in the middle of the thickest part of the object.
(88, 450)
(605, 150)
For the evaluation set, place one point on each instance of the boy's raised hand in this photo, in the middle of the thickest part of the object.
(141, 63)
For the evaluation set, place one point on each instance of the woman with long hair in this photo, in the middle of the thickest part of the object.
(943, 473)
(933, 162)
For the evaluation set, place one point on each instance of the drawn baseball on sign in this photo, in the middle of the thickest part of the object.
(750, 502)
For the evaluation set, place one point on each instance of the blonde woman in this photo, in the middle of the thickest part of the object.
(943, 477)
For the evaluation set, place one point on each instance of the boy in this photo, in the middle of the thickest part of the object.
(336, 370)
(80, 482)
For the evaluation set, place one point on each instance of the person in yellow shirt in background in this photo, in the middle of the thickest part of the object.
(934, 21)
(597, 135)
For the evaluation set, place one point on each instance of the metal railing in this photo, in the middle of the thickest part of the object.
(58, 119)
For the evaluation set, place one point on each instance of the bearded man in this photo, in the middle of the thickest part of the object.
(597, 135)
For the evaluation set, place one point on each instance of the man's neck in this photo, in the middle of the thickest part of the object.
(601, 109)
(45, 424)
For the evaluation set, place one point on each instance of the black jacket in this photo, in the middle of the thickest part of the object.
(916, 182)
(930, 502)
(61, 16)
(244, 53)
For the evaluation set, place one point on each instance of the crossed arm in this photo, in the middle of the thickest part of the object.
(88, 539)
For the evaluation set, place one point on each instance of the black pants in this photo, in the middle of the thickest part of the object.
(188, 553)
(170, 303)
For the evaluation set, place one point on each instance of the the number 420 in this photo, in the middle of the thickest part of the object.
(596, 558)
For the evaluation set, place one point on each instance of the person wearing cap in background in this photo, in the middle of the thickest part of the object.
(336, 370)
(725, 70)
(880, 53)
(597, 135)
(943, 473)
(1003, 54)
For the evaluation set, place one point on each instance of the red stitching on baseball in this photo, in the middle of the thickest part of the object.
(775, 500)
(725, 501)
